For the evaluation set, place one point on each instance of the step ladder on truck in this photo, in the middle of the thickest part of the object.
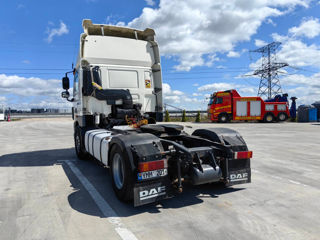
(225, 106)
(117, 99)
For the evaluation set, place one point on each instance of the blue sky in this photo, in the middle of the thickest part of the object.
(204, 44)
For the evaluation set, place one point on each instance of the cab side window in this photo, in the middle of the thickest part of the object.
(75, 82)
(219, 100)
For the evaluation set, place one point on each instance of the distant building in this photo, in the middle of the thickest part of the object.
(37, 110)
(52, 110)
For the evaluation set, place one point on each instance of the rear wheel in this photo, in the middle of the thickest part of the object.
(121, 174)
(223, 118)
(79, 144)
(268, 118)
(282, 117)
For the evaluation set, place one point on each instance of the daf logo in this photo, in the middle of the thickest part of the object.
(153, 192)
(238, 176)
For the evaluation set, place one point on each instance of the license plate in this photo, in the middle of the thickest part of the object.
(152, 174)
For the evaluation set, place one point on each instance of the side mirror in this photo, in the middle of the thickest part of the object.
(65, 83)
(65, 94)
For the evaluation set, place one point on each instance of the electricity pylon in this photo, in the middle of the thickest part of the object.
(269, 83)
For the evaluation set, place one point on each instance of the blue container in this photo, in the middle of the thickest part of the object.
(313, 115)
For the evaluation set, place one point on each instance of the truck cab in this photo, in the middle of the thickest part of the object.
(220, 105)
(116, 61)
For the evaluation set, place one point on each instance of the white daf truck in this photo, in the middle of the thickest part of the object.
(117, 100)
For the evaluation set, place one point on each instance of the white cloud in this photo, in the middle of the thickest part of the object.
(63, 29)
(259, 43)
(269, 21)
(150, 2)
(309, 28)
(21, 6)
(192, 30)
(180, 99)
(26, 62)
(213, 87)
(195, 84)
(33, 91)
(2, 99)
(233, 54)
(306, 88)
(293, 49)
(221, 67)
(297, 53)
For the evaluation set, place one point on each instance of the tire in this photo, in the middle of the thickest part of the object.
(268, 118)
(282, 117)
(79, 144)
(223, 118)
(121, 174)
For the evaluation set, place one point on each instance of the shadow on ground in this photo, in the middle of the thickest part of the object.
(99, 177)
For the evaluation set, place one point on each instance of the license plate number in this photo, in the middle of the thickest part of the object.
(152, 174)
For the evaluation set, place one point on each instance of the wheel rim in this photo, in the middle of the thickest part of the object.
(282, 117)
(117, 170)
(78, 144)
(223, 118)
(269, 118)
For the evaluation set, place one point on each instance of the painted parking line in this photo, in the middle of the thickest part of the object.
(280, 178)
(104, 207)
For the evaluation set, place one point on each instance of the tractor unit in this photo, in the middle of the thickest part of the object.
(117, 100)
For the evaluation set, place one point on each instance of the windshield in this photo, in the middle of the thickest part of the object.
(210, 101)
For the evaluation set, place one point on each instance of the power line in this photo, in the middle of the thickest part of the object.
(37, 69)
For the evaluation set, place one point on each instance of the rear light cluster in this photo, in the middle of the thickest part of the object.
(153, 165)
(243, 155)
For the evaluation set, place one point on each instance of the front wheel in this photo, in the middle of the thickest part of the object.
(223, 118)
(121, 174)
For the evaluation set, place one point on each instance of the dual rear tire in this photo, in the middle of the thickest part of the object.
(120, 169)
(269, 117)
(121, 174)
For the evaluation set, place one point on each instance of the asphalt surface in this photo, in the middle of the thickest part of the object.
(46, 193)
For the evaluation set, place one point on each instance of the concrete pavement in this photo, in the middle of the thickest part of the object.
(41, 197)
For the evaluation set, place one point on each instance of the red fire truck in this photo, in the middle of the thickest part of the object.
(225, 106)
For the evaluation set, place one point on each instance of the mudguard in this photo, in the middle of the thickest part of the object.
(139, 148)
(235, 171)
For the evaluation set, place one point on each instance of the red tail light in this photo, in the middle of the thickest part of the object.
(243, 155)
(154, 165)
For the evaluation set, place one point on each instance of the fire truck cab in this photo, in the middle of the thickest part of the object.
(225, 106)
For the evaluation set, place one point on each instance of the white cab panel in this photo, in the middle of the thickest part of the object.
(123, 79)
(97, 144)
(119, 51)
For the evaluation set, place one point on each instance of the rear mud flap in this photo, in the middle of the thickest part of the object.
(149, 192)
(239, 176)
